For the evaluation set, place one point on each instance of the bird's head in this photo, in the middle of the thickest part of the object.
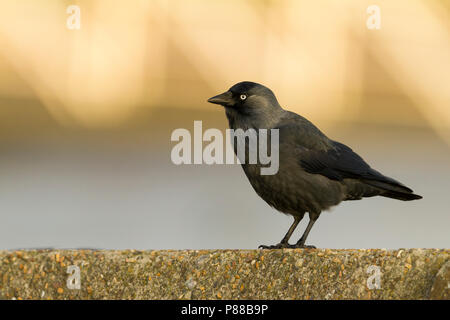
(247, 97)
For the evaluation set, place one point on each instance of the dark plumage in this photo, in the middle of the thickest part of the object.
(314, 173)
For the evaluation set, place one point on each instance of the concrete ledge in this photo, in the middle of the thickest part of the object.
(226, 274)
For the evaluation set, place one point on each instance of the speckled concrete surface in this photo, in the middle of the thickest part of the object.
(227, 274)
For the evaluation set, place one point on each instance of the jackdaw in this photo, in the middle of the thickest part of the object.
(315, 172)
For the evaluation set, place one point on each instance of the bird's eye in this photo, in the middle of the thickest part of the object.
(243, 96)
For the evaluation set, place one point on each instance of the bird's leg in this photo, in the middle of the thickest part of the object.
(284, 242)
(291, 230)
(301, 243)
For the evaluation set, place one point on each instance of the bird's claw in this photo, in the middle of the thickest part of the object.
(286, 246)
(275, 246)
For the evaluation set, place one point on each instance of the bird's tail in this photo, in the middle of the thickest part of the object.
(401, 195)
(394, 189)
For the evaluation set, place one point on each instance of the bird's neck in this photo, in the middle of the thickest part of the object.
(261, 119)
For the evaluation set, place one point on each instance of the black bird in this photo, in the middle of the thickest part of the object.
(315, 172)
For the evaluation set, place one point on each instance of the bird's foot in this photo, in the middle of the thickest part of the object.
(286, 246)
(280, 245)
(306, 247)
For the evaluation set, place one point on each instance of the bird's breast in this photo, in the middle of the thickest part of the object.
(292, 190)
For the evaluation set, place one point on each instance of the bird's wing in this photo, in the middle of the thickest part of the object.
(319, 155)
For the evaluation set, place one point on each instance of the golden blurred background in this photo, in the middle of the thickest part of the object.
(86, 116)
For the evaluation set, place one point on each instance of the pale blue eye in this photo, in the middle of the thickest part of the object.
(243, 96)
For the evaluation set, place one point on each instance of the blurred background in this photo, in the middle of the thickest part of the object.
(86, 117)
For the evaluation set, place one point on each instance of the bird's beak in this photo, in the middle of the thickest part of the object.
(224, 99)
